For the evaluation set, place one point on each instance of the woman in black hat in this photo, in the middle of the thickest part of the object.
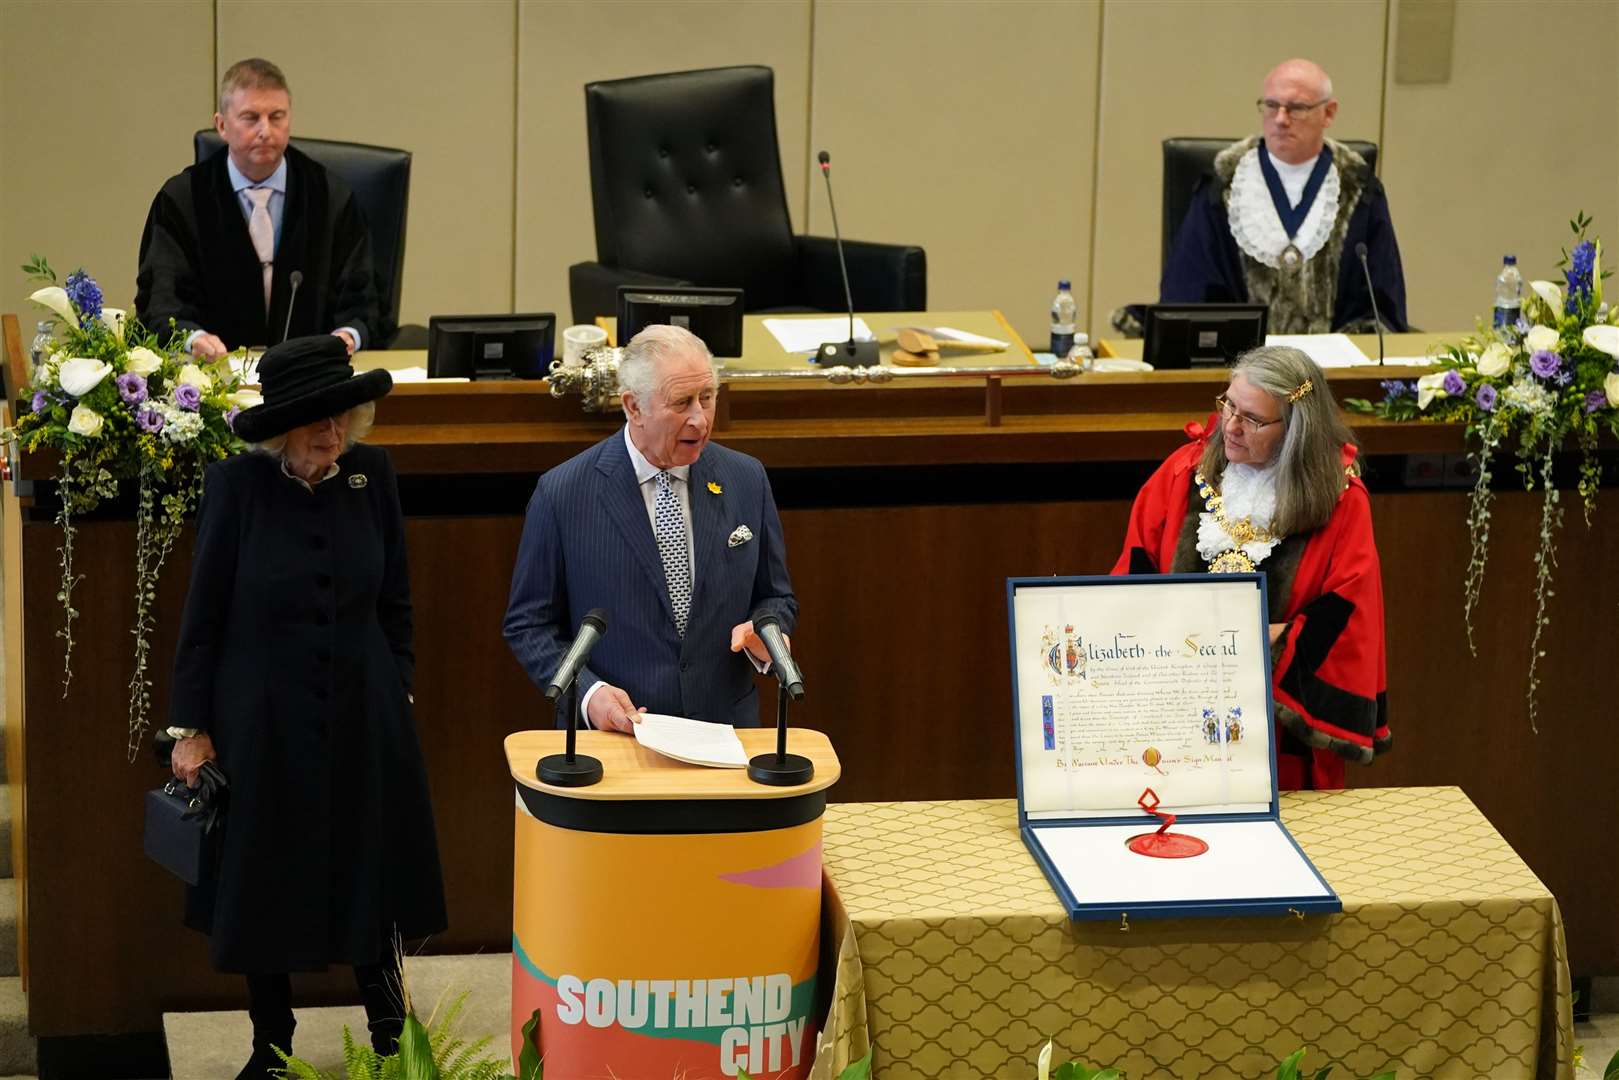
(294, 670)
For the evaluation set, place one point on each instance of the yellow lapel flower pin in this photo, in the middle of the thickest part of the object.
(715, 488)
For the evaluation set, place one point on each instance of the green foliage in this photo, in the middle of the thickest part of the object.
(435, 1051)
(1612, 1071)
(856, 1070)
(39, 270)
(1073, 1070)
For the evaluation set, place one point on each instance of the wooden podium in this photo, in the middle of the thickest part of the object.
(666, 920)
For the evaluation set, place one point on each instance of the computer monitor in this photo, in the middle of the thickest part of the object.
(715, 315)
(1202, 335)
(490, 346)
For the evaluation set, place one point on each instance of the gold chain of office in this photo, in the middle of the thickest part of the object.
(1233, 560)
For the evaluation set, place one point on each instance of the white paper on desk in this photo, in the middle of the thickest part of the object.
(696, 742)
(808, 335)
(950, 333)
(1246, 860)
(1104, 364)
(409, 374)
(1411, 361)
(1328, 350)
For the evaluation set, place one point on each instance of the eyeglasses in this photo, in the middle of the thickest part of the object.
(1249, 424)
(1294, 109)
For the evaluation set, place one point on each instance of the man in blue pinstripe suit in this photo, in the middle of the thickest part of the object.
(676, 538)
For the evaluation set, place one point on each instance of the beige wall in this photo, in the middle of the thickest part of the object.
(1017, 141)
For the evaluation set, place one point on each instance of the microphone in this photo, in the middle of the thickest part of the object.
(590, 632)
(852, 352)
(1360, 249)
(768, 627)
(297, 279)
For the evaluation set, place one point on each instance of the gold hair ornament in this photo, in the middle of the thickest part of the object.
(1303, 388)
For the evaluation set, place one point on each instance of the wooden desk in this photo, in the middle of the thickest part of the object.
(1395, 346)
(904, 513)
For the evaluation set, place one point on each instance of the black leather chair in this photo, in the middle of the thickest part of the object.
(379, 176)
(685, 180)
(1187, 160)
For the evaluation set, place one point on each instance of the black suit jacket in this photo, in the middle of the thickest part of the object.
(198, 267)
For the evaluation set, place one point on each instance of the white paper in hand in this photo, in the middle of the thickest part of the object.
(695, 742)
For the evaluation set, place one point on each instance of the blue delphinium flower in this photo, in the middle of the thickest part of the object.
(1545, 364)
(1595, 400)
(40, 403)
(85, 294)
(1394, 389)
(1485, 397)
(1454, 384)
(1578, 275)
(132, 388)
(187, 396)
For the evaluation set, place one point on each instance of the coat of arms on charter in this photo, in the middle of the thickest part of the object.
(1062, 656)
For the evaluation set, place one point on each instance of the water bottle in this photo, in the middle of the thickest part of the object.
(1508, 293)
(42, 344)
(1064, 313)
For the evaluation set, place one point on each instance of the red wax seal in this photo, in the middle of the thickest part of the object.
(1163, 844)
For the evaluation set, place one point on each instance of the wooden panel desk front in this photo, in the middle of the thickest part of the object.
(903, 514)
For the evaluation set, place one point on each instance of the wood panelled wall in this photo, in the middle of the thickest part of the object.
(1017, 141)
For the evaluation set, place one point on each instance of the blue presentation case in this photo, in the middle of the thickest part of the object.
(1262, 870)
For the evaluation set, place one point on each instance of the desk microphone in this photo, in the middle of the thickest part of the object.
(1360, 250)
(852, 352)
(590, 632)
(768, 627)
(297, 279)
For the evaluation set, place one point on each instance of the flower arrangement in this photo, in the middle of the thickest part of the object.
(118, 404)
(1535, 386)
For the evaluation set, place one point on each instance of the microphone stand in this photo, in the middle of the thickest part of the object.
(781, 769)
(1377, 320)
(853, 353)
(569, 769)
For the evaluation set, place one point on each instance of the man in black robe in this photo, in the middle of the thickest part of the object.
(1281, 219)
(225, 237)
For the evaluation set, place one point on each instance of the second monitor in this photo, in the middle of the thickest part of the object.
(715, 315)
(1188, 335)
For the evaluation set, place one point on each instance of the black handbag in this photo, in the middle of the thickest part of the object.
(183, 825)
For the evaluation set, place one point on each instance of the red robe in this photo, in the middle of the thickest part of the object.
(1329, 678)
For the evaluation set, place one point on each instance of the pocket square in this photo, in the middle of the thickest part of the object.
(741, 535)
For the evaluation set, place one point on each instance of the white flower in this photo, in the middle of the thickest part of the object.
(1603, 339)
(114, 318)
(179, 425)
(1430, 387)
(1540, 338)
(55, 298)
(1495, 360)
(1610, 386)
(1551, 293)
(1528, 396)
(85, 421)
(81, 375)
(245, 399)
(1044, 1064)
(143, 361)
(197, 377)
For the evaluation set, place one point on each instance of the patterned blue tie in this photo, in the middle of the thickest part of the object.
(671, 531)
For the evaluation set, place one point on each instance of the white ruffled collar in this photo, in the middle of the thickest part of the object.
(1248, 493)
(1255, 224)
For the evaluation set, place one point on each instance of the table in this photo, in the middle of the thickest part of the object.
(956, 959)
(1394, 346)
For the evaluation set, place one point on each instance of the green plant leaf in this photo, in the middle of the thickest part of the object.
(416, 1052)
(529, 1064)
(858, 1070)
(1326, 1071)
(1612, 1071)
(1289, 1068)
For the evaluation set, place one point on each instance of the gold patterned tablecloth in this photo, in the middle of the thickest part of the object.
(956, 960)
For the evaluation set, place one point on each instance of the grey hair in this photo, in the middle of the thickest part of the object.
(361, 419)
(646, 352)
(1310, 470)
(250, 74)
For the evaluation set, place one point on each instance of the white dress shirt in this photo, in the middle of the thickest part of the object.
(1293, 177)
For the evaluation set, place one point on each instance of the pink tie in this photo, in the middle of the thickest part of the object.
(262, 232)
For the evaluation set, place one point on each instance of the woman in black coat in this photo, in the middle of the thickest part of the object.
(293, 671)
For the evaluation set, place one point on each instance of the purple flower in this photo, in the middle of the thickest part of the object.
(1545, 364)
(187, 396)
(1522, 326)
(1595, 400)
(1578, 275)
(150, 420)
(1454, 384)
(1485, 396)
(41, 402)
(85, 294)
(1394, 389)
(1563, 377)
(230, 417)
(132, 388)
